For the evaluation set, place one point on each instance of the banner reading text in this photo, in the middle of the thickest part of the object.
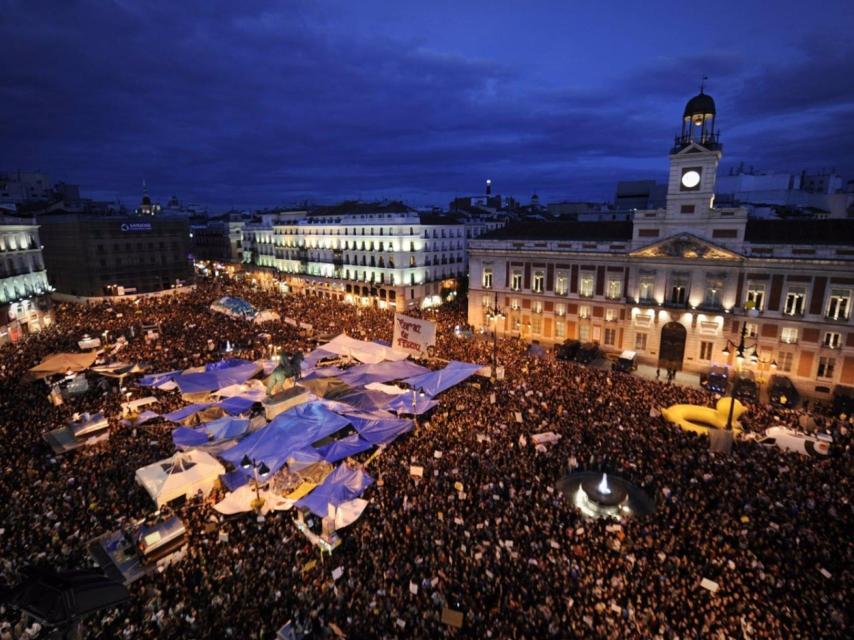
(413, 335)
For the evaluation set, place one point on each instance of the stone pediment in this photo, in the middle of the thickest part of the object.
(685, 247)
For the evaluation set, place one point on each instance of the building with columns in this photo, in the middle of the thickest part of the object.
(24, 291)
(674, 284)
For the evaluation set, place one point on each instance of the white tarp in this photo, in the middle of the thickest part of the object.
(182, 474)
(362, 350)
(547, 437)
(348, 512)
(240, 501)
(267, 315)
(413, 335)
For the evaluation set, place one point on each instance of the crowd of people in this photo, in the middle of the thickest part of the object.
(486, 531)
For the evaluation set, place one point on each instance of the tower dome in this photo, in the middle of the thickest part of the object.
(700, 108)
(698, 123)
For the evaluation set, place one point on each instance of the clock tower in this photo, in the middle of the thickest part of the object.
(694, 161)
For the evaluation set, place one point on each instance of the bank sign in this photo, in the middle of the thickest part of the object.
(136, 226)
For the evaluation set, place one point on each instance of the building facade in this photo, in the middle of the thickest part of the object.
(24, 290)
(97, 255)
(386, 256)
(218, 240)
(676, 284)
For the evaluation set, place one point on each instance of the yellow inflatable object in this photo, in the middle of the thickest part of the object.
(693, 417)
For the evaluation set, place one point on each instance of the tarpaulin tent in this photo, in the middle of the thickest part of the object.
(344, 448)
(340, 486)
(364, 374)
(185, 412)
(156, 379)
(225, 428)
(362, 350)
(403, 404)
(434, 382)
(62, 363)
(379, 427)
(295, 429)
(217, 375)
(234, 307)
(267, 315)
(236, 405)
(183, 474)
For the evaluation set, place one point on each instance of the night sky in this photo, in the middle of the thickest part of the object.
(255, 104)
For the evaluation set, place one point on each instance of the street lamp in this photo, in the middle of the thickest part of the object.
(415, 395)
(494, 314)
(741, 350)
(258, 470)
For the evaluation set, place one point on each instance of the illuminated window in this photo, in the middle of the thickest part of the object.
(610, 336)
(784, 361)
(615, 288)
(516, 280)
(794, 301)
(752, 330)
(585, 286)
(560, 329)
(826, 365)
(537, 306)
(561, 284)
(838, 304)
(646, 288)
(536, 324)
(640, 342)
(832, 340)
(584, 312)
(487, 277)
(789, 335)
(560, 309)
(539, 281)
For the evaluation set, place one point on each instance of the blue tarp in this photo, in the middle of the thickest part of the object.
(363, 374)
(403, 404)
(435, 382)
(156, 379)
(217, 375)
(366, 399)
(233, 480)
(323, 372)
(344, 448)
(379, 427)
(185, 412)
(236, 405)
(234, 306)
(225, 428)
(290, 431)
(185, 438)
(341, 485)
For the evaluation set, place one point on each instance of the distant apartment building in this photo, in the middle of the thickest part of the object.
(218, 239)
(383, 254)
(639, 194)
(24, 291)
(95, 255)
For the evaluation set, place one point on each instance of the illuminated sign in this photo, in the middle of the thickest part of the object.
(136, 226)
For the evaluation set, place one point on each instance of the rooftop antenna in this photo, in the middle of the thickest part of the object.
(703, 83)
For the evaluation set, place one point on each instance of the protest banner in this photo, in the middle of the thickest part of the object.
(413, 335)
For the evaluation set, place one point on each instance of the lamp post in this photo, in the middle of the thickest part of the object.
(494, 314)
(415, 394)
(740, 354)
(257, 470)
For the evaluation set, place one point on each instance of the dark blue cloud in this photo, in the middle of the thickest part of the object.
(255, 104)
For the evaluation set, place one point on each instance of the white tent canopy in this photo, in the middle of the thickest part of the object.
(362, 350)
(183, 474)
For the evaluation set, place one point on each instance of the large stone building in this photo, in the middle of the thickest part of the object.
(675, 284)
(383, 254)
(24, 290)
(96, 255)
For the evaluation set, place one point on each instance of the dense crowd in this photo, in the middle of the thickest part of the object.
(509, 550)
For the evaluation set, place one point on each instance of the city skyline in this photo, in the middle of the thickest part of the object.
(323, 101)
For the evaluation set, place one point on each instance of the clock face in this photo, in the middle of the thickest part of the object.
(691, 178)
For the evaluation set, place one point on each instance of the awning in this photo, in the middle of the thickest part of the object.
(62, 363)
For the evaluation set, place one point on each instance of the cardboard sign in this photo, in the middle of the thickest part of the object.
(452, 618)
(413, 335)
(418, 472)
(337, 573)
(711, 585)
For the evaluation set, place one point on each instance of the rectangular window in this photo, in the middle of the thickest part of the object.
(584, 333)
(585, 287)
(560, 309)
(714, 290)
(516, 280)
(486, 300)
(561, 284)
(755, 296)
(584, 312)
(789, 335)
(610, 336)
(784, 361)
(687, 208)
(646, 289)
(678, 294)
(838, 304)
(615, 288)
(514, 304)
(537, 306)
(610, 315)
(640, 342)
(539, 281)
(825, 367)
(832, 340)
(536, 324)
(752, 330)
(794, 301)
(487, 277)
(706, 350)
(560, 329)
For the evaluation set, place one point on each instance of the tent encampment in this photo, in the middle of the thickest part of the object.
(362, 350)
(183, 474)
(63, 363)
